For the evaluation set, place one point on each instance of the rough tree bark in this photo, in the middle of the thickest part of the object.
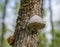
(24, 37)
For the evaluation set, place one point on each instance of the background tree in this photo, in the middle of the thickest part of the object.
(55, 34)
(3, 23)
(51, 21)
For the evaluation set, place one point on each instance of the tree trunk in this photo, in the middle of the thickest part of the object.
(24, 37)
(3, 23)
(51, 21)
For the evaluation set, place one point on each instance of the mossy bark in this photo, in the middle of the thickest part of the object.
(24, 37)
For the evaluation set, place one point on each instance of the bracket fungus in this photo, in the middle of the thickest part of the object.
(36, 22)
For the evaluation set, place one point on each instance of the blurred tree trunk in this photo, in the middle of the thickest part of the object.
(51, 21)
(3, 23)
(24, 37)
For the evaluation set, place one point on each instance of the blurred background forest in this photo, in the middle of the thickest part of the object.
(49, 36)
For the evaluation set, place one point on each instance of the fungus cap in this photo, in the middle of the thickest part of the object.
(36, 22)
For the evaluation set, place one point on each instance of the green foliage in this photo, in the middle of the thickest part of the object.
(43, 40)
(6, 43)
(0, 46)
(56, 39)
(1, 7)
(44, 13)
